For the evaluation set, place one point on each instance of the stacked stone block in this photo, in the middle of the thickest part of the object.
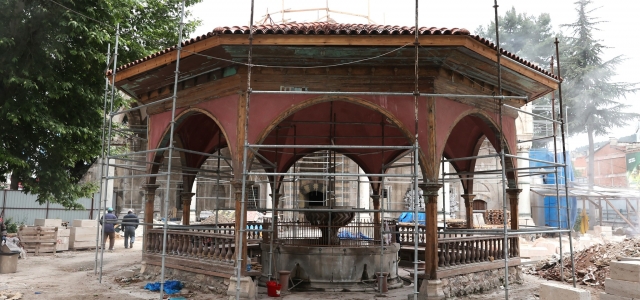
(623, 282)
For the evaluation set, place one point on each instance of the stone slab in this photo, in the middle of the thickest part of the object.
(629, 259)
(84, 223)
(48, 222)
(63, 232)
(605, 296)
(81, 234)
(63, 243)
(622, 288)
(554, 291)
(625, 270)
(247, 288)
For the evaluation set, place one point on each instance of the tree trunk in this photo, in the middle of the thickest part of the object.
(591, 164)
(14, 182)
(591, 176)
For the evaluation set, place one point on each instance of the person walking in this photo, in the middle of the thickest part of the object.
(130, 224)
(109, 228)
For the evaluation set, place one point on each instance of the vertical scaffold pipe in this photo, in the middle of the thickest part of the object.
(165, 211)
(101, 173)
(244, 171)
(416, 94)
(108, 150)
(505, 246)
(555, 169)
(564, 156)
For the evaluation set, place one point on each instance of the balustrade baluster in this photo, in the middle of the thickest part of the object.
(220, 251)
(441, 248)
(190, 240)
(466, 257)
(447, 254)
(230, 251)
(458, 256)
(182, 244)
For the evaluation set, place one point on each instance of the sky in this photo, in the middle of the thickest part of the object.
(620, 20)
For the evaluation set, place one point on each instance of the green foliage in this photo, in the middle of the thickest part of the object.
(12, 226)
(52, 83)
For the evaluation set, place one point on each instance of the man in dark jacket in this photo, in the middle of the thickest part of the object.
(129, 224)
(109, 230)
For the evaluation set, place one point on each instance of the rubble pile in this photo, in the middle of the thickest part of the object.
(225, 216)
(591, 264)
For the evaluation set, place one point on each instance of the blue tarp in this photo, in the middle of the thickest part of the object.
(346, 235)
(551, 202)
(407, 217)
(170, 286)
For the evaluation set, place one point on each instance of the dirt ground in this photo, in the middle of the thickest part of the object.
(70, 275)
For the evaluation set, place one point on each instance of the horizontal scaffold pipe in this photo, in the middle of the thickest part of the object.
(137, 176)
(531, 114)
(141, 106)
(500, 232)
(330, 174)
(536, 139)
(138, 152)
(389, 94)
(355, 210)
(470, 157)
(200, 153)
(326, 147)
(536, 160)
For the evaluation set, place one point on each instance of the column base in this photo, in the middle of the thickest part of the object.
(431, 290)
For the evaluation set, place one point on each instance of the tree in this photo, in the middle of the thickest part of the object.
(588, 89)
(52, 79)
(527, 36)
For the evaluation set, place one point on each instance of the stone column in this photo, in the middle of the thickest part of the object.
(237, 185)
(468, 205)
(431, 287)
(513, 202)
(150, 195)
(276, 202)
(186, 207)
(376, 218)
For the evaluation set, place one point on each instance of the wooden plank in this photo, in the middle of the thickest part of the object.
(191, 265)
(476, 267)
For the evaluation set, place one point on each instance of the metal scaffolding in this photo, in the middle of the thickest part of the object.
(219, 171)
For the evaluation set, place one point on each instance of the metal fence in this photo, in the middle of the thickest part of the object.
(23, 208)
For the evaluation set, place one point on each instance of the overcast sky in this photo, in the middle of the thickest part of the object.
(618, 32)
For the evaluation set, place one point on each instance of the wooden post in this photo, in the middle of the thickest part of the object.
(150, 194)
(513, 201)
(186, 207)
(276, 203)
(430, 191)
(376, 218)
(468, 205)
(237, 184)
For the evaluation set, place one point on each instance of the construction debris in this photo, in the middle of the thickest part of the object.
(9, 295)
(591, 264)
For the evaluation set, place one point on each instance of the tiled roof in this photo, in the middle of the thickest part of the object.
(324, 28)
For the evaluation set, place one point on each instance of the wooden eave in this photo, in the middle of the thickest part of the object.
(146, 67)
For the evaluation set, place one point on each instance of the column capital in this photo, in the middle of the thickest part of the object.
(276, 196)
(430, 189)
(468, 197)
(150, 188)
(513, 192)
(186, 195)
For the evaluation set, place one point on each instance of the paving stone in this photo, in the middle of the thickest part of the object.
(605, 296)
(622, 288)
(554, 291)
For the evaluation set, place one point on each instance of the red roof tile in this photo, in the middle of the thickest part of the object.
(320, 28)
